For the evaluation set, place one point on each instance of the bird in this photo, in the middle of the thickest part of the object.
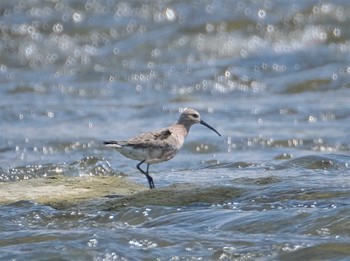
(159, 145)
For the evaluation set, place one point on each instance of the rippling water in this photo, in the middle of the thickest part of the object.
(271, 76)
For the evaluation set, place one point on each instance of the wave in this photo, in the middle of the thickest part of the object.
(88, 166)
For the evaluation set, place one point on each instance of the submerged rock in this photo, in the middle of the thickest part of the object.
(176, 195)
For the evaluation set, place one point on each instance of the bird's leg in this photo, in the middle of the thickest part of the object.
(149, 178)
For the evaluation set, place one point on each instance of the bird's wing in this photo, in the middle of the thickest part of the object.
(154, 138)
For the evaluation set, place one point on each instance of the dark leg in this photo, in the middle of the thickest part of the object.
(149, 178)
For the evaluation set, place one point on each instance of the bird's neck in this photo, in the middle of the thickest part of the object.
(181, 128)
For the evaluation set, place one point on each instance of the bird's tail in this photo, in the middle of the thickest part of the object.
(113, 144)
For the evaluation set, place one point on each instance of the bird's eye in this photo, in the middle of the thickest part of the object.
(195, 115)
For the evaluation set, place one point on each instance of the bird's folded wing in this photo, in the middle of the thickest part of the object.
(158, 138)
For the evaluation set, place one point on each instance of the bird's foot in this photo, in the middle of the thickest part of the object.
(150, 181)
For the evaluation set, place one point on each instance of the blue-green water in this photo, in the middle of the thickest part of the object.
(271, 76)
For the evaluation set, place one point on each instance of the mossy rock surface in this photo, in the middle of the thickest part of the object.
(110, 193)
(64, 192)
(176, 195)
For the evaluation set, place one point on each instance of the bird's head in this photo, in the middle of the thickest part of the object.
(191, 116)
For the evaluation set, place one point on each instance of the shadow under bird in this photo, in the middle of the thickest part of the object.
(159, 145)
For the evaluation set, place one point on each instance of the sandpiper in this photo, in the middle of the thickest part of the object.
(159, 145)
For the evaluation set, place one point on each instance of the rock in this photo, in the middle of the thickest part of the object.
(176, 195)
(63, 192)
(110, 193)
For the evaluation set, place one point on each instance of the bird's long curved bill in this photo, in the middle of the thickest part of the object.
(210, 127)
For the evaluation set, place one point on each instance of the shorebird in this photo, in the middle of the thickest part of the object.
(159, 145)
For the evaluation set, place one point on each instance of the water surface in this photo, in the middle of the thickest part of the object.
(271, 76)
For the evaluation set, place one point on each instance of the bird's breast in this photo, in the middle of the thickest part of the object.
(178, 137)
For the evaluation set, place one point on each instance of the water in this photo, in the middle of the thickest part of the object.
(272, 77)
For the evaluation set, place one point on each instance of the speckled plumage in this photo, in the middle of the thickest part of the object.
(159, 145)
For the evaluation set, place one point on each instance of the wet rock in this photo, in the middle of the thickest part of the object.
(176, 195)
(64, 192)
(109, 193)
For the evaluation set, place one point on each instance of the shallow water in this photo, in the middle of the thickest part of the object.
(271, 77)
